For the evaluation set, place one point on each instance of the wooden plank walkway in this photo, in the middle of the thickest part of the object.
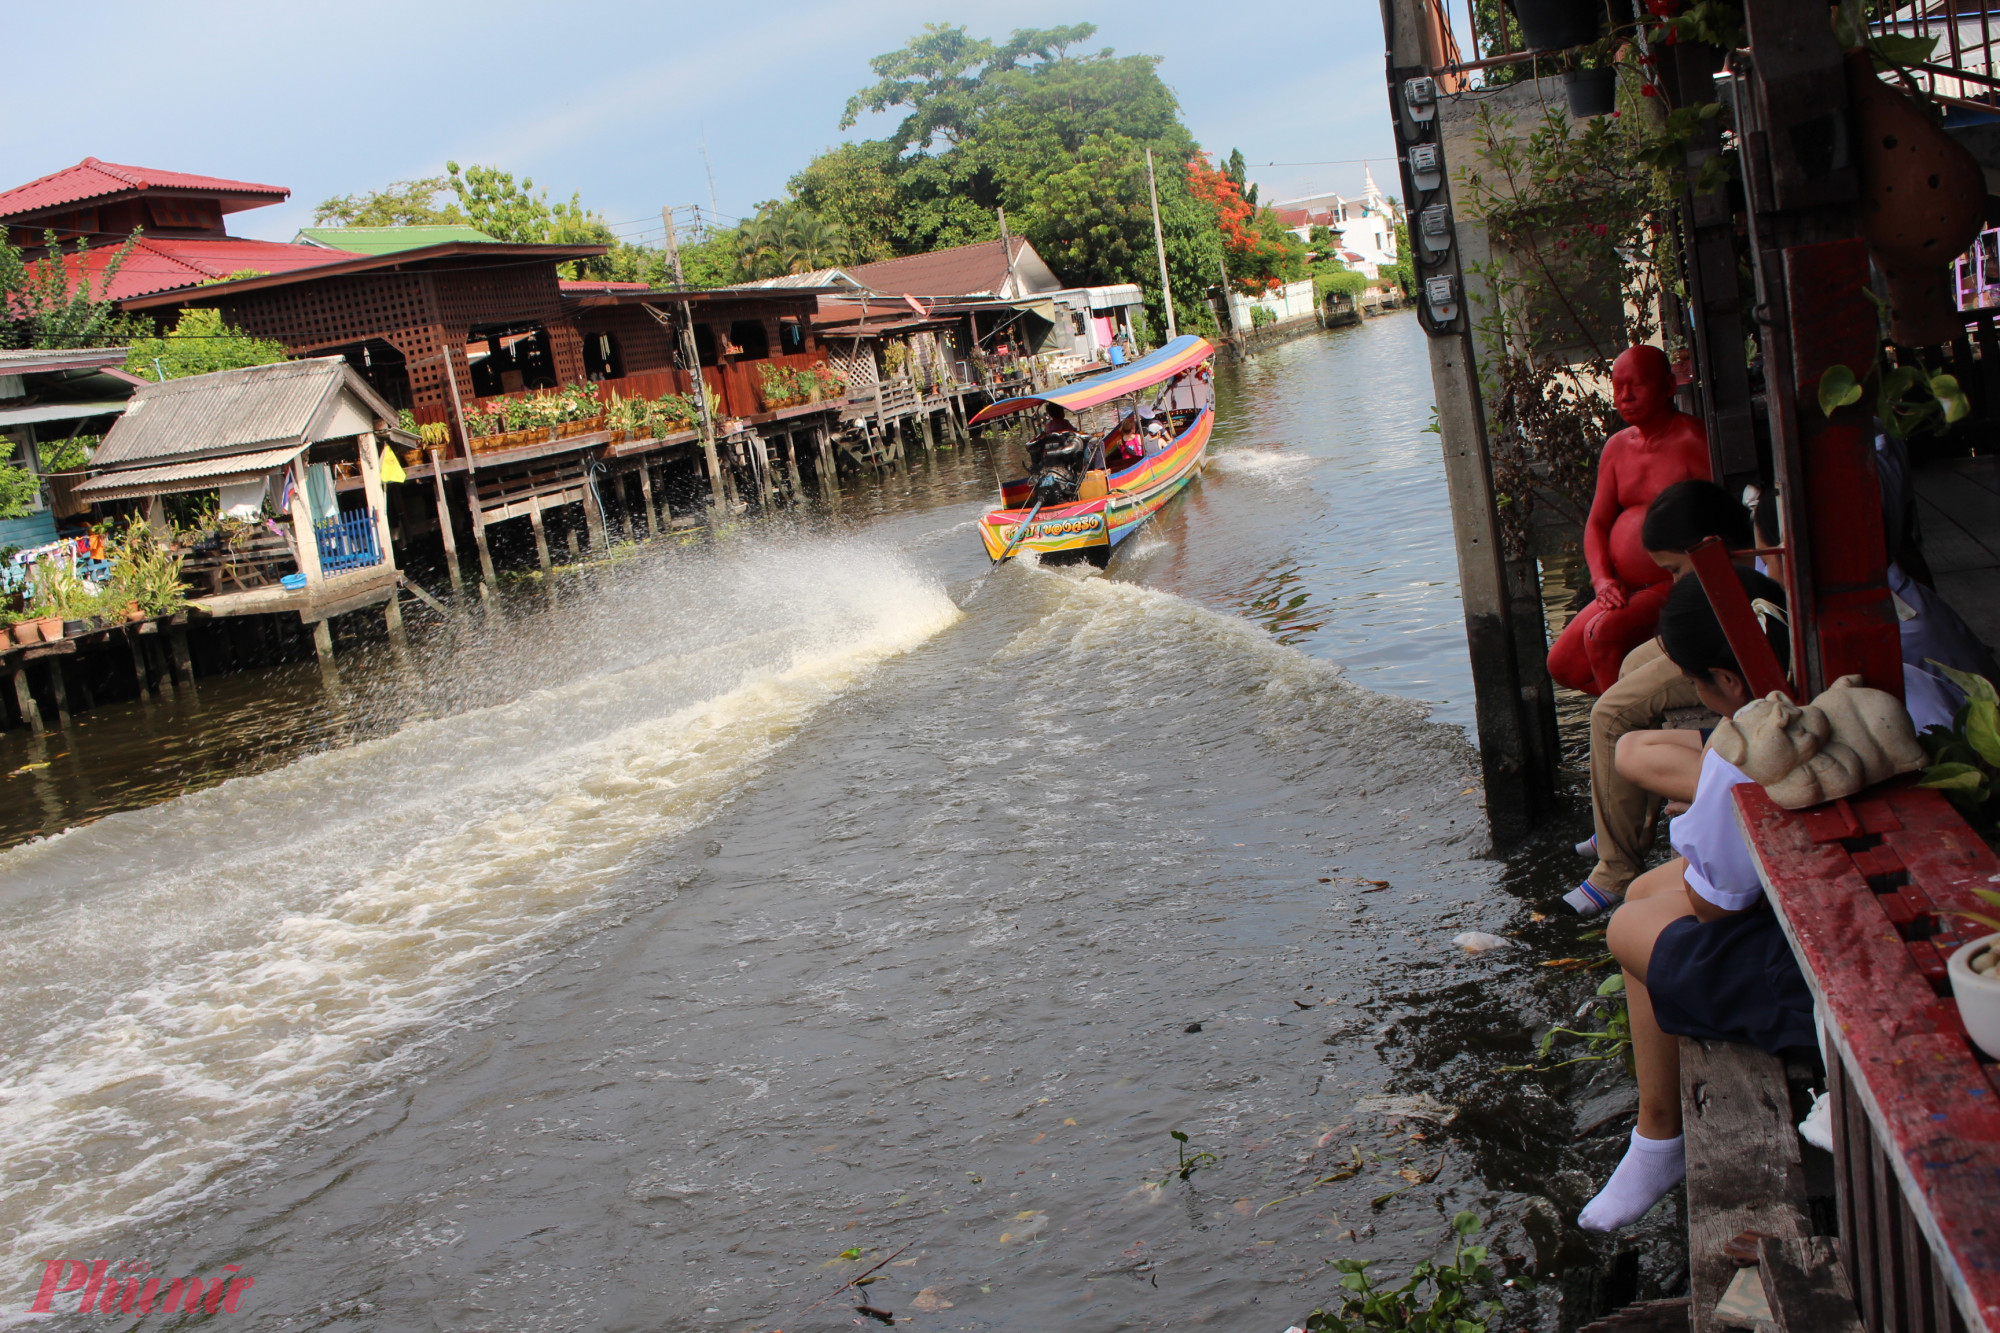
(1958, 509)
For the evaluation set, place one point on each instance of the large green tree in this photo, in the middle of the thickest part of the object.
(1055, 135)
(411, 203)
(199, 343)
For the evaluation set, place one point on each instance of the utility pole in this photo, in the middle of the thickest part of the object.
(1160, 248)
(1513, 699)
(1006, 249)
(691, 355)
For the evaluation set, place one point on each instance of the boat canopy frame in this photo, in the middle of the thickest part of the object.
(1176, 358)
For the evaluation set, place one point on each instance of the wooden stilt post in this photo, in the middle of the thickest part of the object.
(61, 692)
(177, 649)
(445, 531)
(646, 495)
(31, 712)
(139, 664)
(792, 467)
(487, 578)
(829, 471)
(541, 536)
(593, 514)
(163, 674)
(323, 644)
(930, 439)
(392, 619)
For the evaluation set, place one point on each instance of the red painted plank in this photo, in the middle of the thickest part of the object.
(1927, 1096)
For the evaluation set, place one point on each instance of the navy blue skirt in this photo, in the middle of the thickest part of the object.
(1731, 980)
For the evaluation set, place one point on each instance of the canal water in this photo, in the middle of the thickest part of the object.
(740, 914)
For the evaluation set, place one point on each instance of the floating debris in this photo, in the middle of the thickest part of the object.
(1478, 941)
(1417, 1106)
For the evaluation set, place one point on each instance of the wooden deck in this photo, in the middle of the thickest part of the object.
(1958, 508)
(335, 596)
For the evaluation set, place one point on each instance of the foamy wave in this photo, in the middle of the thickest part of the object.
(186, 982)
(1276, 467)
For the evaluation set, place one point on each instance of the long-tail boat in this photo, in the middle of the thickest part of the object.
(1086, 508)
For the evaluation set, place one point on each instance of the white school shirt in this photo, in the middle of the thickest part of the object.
(1719, 865)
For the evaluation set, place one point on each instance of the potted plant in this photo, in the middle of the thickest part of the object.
(1974, 968)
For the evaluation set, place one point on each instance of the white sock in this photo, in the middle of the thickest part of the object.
(1650, 1168)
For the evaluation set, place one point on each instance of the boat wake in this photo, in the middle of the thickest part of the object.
(187, 982)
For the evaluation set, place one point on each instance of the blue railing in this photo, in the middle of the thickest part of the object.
(348, 542)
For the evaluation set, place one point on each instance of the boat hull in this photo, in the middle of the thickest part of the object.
(1093, 528)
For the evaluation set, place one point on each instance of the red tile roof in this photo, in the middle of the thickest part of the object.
(159, 263)
(963, 270)
(92, 179)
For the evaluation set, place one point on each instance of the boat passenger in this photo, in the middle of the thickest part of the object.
(1703, 954)
(1125, 445)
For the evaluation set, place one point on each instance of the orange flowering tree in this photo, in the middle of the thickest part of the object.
(1260, 254)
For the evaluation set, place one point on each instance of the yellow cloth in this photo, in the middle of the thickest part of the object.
(392, 467)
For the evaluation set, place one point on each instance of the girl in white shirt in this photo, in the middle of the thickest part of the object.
(1703, 954)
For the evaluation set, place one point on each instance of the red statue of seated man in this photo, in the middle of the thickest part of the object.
(1659, 446)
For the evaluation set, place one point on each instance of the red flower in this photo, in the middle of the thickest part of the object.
(1648, 90)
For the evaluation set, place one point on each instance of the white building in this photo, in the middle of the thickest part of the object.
(1367, 226)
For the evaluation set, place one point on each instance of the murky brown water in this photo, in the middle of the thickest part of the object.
(806, 892)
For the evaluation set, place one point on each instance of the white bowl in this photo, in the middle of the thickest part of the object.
(1978, 996)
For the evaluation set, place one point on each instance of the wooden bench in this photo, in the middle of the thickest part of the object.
(1746, 1204)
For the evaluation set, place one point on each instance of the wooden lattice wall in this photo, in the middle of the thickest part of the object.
(420, 313)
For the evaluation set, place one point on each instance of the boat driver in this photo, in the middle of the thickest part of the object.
(1059, 444)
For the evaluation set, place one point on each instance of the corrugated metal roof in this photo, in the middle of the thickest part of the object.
(385, 240)
(963, 270)
(819, 277)
(232, 412)
(78, 411)
(43, 360)
(200, 475)
(94, 179)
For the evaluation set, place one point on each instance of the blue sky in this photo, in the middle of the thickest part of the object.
(614, 99)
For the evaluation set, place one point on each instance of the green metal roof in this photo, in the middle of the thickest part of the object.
(386, 240)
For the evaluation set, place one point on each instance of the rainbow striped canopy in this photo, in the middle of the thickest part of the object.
(1183, 353)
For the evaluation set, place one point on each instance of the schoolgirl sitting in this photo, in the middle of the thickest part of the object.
(1703, 953)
